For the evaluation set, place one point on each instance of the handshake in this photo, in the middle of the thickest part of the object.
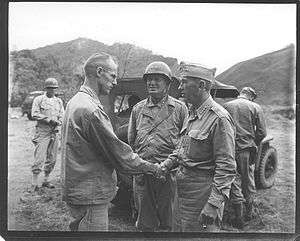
(53, 123)
(160, 171)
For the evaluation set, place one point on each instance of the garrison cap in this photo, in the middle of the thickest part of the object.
(196, 71)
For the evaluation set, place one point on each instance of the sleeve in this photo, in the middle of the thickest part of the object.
(61, 112)
(225, 164)
(260, 123)
(132, 128)
(172, 159)
(36, 111)
(117, 152)
(183, 115)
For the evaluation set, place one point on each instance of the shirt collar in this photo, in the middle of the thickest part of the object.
(206, 105)
(242, 97)
(90, 92)
(164, 100)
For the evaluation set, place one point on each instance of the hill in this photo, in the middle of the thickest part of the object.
(29, 68)
(272, 75)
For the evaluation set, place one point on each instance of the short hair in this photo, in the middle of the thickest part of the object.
(97, 60)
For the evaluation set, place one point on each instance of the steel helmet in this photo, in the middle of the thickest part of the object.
(51, 83)
(249, 90)
(158, 67)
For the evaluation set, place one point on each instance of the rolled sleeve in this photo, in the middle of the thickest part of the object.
(225, 165)
(118, 153)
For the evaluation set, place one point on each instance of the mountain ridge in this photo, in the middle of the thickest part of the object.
(64, 61)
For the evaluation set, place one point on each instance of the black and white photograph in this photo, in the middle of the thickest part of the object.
(152, 117)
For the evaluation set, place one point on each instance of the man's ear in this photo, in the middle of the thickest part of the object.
(201, 84)
(99, 71)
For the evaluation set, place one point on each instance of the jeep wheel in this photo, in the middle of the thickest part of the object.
(266, 172)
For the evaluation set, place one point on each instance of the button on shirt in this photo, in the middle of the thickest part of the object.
(154, 144)
(208, 143)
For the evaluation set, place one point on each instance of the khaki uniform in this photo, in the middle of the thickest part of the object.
(90, 153)
(207, 167)
(153, 133)
(46, 136)
(250, 130)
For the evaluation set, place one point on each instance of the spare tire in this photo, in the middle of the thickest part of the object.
(268, 165)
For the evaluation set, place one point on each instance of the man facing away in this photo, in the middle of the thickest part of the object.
(47, 110)
(250, 130)
(153, 132)
(205, 155)
(91, 151)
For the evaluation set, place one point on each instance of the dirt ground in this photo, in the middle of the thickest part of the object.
(44, 211)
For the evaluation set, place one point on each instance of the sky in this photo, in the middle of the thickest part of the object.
(215, 35)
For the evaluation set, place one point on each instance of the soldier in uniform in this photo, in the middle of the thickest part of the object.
(48, 111)
(250, 130)
(205, 155)
(91, 150)
(153, 132)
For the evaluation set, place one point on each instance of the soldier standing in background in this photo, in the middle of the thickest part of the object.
(153, 132)
(250, 130)
(48, 111)
(205, 155)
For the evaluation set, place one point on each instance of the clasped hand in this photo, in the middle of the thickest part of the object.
(53, 122)
(161, 171)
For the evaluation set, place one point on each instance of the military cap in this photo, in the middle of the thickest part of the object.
(196, 71)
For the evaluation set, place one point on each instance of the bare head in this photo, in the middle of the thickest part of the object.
(101, 73)
(248, 93)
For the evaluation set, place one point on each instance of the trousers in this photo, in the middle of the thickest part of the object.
(154, 199)
(192, 193)
(45, 154)
(246, 173)
(89, 217)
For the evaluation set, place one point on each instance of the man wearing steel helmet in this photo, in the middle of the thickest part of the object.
(48, 110)
(91, 151)
(250, 130)
(205, 155)
(153, 132)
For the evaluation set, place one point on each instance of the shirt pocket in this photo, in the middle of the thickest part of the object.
(199, 145)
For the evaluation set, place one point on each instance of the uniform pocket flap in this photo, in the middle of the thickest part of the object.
(198, 135)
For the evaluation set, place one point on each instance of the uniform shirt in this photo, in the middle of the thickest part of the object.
(249, 122)
(44, 109)
(91, 151)
(207, 143)
(156, 145)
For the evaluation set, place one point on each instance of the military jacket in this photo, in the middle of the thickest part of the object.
(153, 130)
(249, 122)
(207, 142)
